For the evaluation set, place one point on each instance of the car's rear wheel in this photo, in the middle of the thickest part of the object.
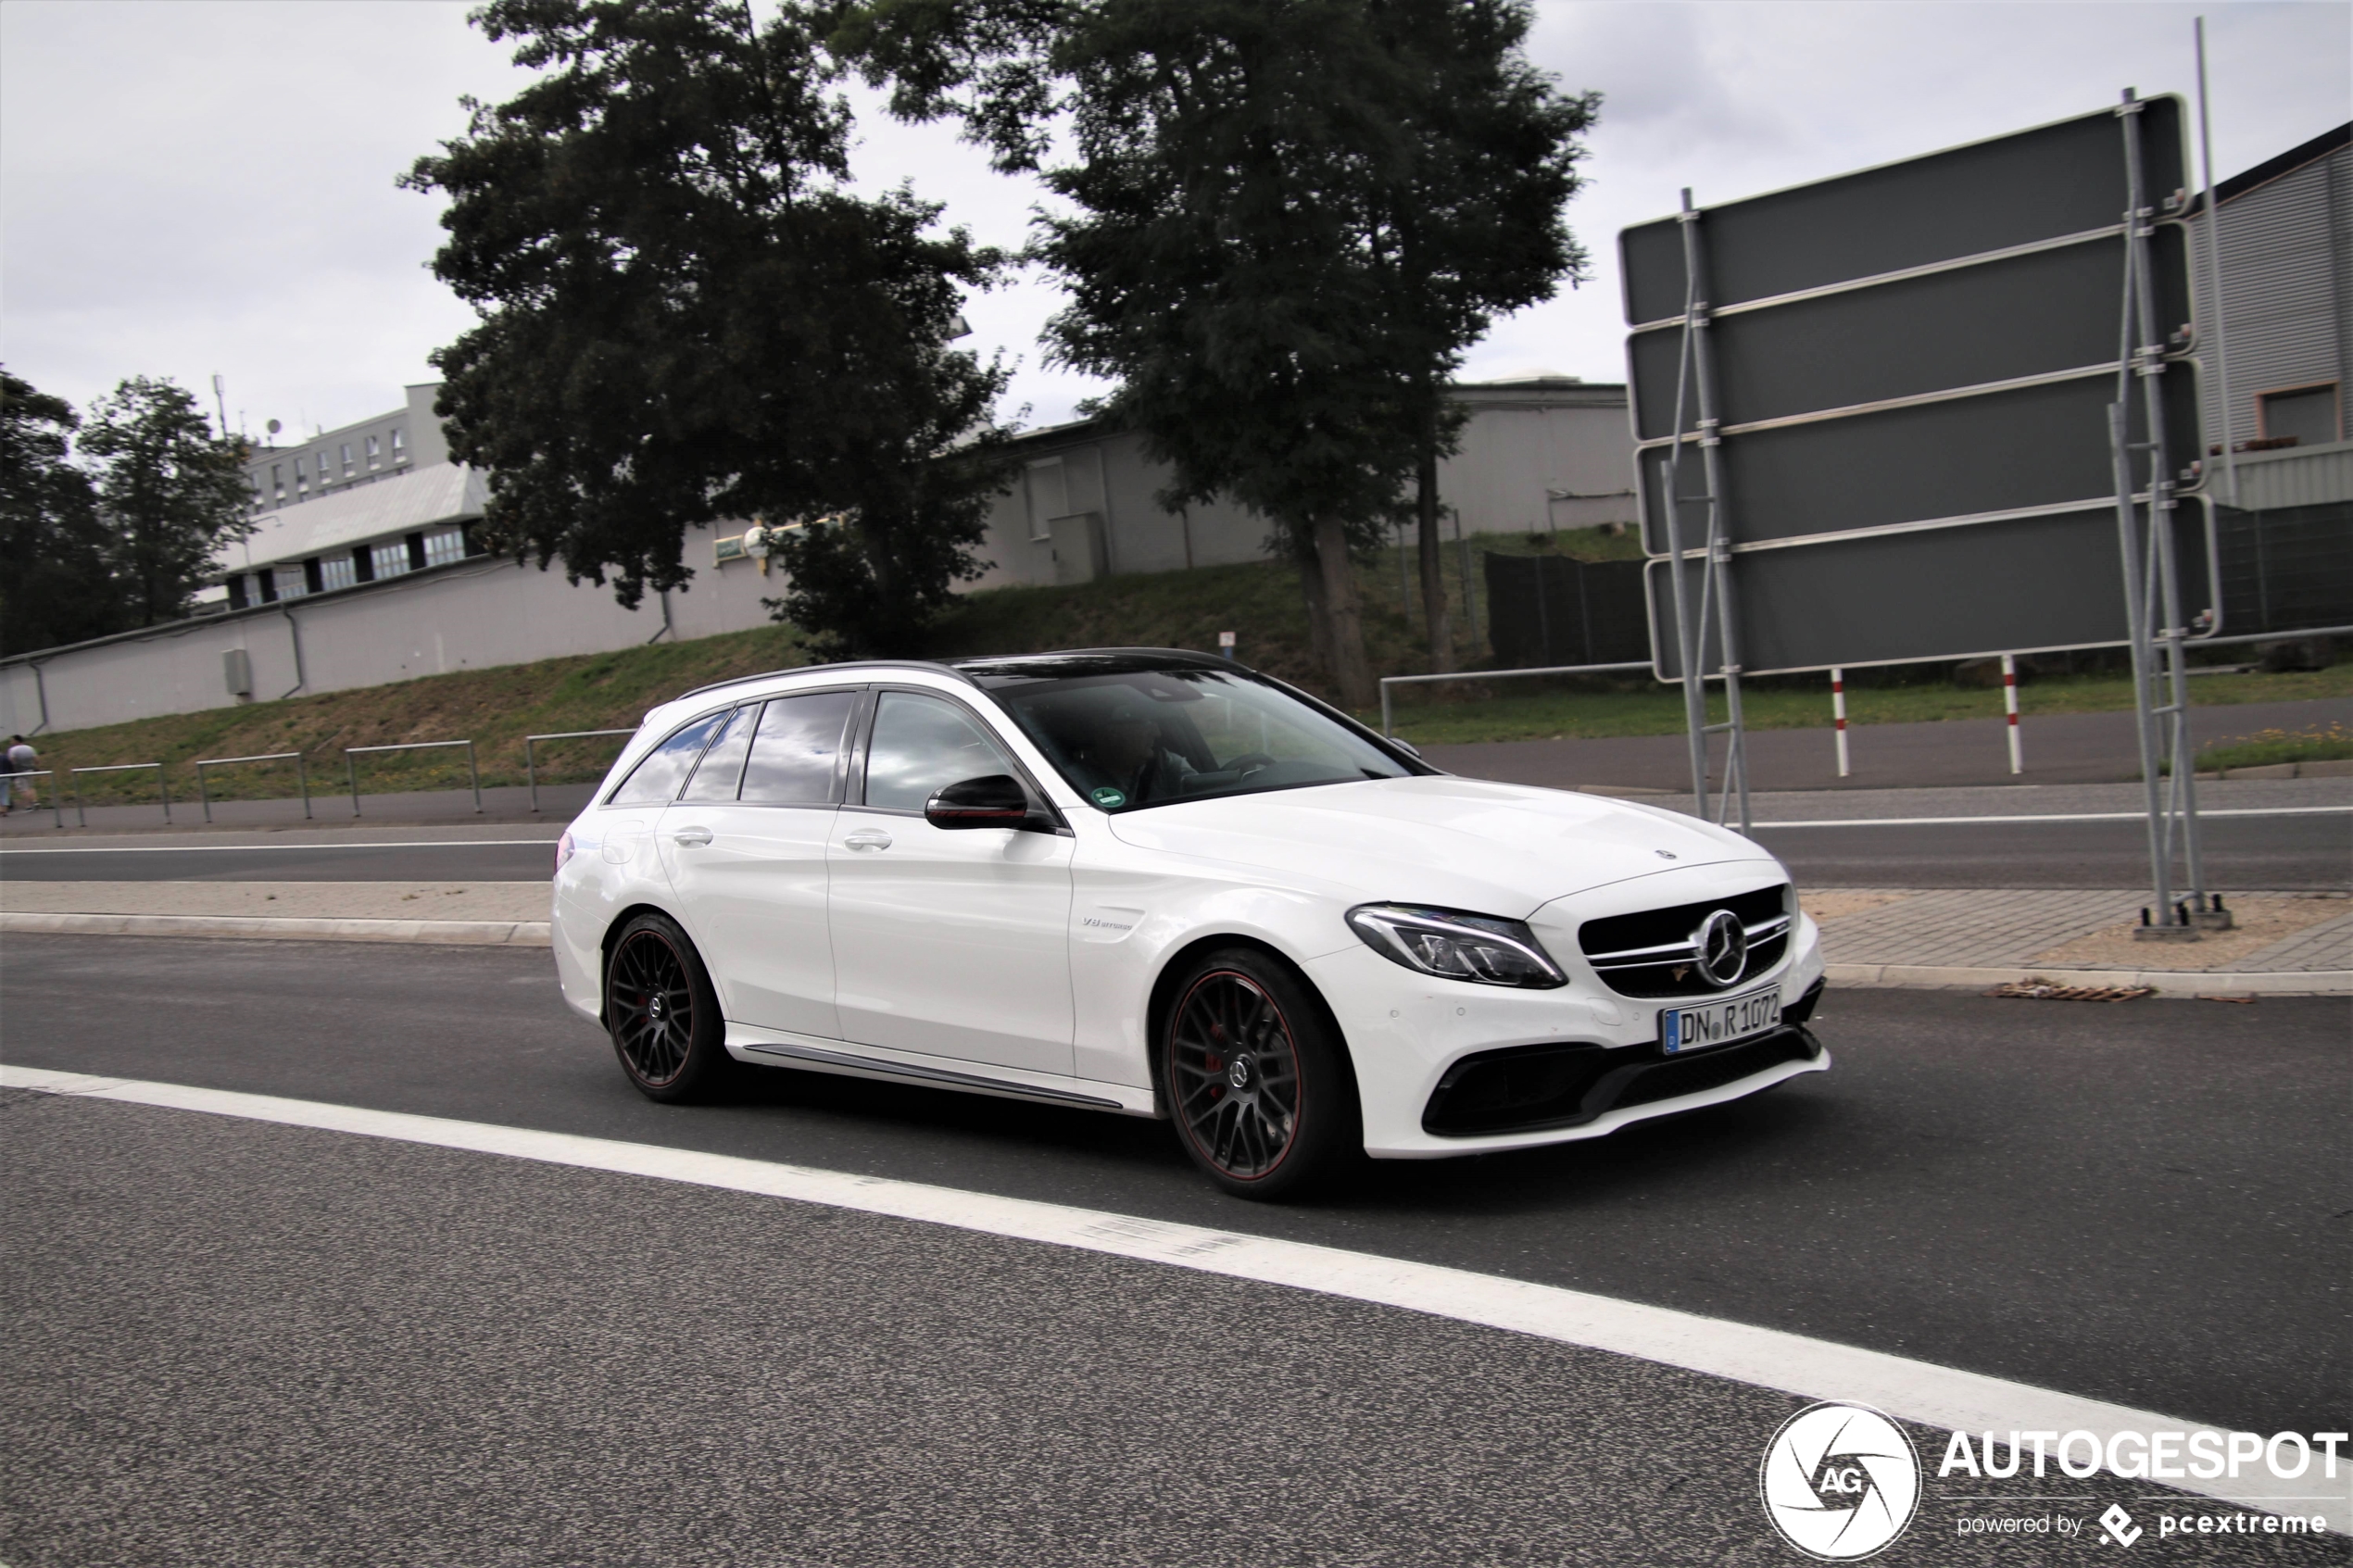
(663, 1013)
(1257, 1076)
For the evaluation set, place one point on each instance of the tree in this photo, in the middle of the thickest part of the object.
(1289, 219)
(170, 494)
(687, 316)
(54, 586)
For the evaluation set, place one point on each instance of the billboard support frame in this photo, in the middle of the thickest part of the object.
(2151, 589)
(1696, 382)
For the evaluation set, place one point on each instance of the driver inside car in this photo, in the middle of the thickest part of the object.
(1127, 753)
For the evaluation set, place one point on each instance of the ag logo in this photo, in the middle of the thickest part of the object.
(1840, 1482)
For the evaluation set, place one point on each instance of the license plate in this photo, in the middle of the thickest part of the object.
(1719, 1023)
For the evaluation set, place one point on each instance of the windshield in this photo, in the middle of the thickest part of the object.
(1150, 737)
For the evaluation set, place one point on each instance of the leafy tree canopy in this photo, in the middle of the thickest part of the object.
(1286, 222)
(54, 583)
(687, 316)
(170, 494)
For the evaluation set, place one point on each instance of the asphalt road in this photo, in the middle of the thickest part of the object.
(2267, 853)
(233, 1341)
(1903, 1201)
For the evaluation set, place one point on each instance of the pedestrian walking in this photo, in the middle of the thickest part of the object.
(23, 759)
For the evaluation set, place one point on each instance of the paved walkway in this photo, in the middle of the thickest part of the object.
(2289, 942)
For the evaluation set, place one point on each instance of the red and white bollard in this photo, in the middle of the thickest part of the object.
(2009, 707)
(1838, 715)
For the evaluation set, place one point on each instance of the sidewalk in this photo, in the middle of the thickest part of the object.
(2289, 943)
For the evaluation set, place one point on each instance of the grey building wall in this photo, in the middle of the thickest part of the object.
(476, 614)
(2287, 284)
(1539, 453)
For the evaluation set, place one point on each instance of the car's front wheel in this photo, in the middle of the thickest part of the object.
(663, 1013)
(1257, 1076)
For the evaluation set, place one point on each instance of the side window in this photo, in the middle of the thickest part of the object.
(793, 755)
(723, 763)
(922, 744)
(655, 781)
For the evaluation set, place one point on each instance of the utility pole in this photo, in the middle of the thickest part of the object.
(221, 399)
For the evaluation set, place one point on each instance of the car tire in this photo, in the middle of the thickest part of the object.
(1257, 1078)
(662, 1013)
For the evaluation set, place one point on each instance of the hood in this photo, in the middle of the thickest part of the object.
(1467, 844)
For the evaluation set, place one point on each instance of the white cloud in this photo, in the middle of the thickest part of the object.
(209, 185)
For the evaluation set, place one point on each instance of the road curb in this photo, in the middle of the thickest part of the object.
(458, 933)
(2165, 982)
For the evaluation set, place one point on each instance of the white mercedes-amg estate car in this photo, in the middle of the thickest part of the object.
(1155, 883)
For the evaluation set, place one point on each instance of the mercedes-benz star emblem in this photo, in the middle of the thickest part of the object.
(1721, 943)
(1238, 1075)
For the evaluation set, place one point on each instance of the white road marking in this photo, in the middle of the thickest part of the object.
(2066, 817)
(1813, 1369)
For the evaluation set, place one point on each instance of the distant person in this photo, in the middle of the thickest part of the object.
(22, 758)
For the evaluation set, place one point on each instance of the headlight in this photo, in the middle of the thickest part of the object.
(1455, 945)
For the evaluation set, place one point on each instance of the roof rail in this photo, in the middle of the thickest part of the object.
(933, 665)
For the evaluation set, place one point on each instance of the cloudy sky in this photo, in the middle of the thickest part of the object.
(207, 187)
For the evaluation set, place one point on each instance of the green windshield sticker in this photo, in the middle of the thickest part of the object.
(1110, 799)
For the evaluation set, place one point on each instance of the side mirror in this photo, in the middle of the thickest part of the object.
(996, 800)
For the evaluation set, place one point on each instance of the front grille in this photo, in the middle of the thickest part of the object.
(1539, 1088)
(1649, 953)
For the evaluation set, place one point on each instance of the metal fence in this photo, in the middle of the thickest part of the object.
(163, 786)
(56, 809)
(351, 765)
(302, 781)
(530, 762)
(1388, 726)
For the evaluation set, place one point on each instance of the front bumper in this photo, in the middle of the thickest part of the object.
(1407, 1033)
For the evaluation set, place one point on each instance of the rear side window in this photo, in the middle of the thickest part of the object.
(716, 774)
(655, 781)
(795, 753)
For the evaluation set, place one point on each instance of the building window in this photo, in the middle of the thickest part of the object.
(302, 480)
(335, 571)
(266, 580)
(389, 559)
(2306, 415)
(373, 458)
(293, 582)
(277, 479)
(345, 454)
(235, 584)
(399, 449)
(445, 546)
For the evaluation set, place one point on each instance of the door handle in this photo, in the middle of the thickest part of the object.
(867, 838)
(691, 838)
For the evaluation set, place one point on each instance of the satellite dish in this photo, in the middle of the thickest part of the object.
(274, 427)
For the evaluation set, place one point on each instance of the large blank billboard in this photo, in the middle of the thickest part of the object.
(1913, 370)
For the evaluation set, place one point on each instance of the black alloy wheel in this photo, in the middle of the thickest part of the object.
(663, 1012)
(1256, 1078)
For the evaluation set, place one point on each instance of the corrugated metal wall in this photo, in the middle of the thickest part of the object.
(2287, 274)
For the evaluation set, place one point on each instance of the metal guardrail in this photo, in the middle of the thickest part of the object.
(302, 780)
(57, 806)
(530, 764)
(81, 816)
(351, 765)
(1388, 726)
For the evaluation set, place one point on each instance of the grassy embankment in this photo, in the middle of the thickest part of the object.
(1260, 602)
